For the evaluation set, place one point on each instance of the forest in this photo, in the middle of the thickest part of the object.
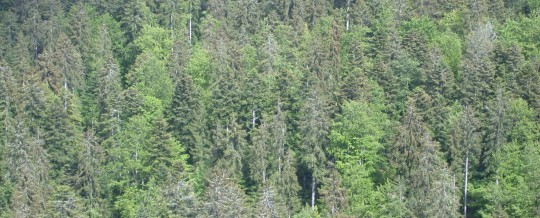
(269, 108)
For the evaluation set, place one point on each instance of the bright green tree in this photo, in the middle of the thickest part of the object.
(513, 190)
(356, 145)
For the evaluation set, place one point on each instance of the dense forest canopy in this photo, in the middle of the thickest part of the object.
(270, 108)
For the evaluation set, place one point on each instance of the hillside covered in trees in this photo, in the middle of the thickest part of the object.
(270, 108)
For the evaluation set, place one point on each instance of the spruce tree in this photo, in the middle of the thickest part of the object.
(224, 196)
(418, 161)
(496, 130)
(314, 128)
(464, 148)
(61, 67)
(230, 147)
(184, 109)
(478, 70)
(88, 181)
(333, 194)
(166, 157)
(27, 169)
(108, 86)
(181, 199)
(287, 183)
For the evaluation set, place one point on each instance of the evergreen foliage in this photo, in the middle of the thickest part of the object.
(283, 108)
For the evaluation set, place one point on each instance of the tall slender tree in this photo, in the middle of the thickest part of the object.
(27, 170)
(418, 159)
(314, 127)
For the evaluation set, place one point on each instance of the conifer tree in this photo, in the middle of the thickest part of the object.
(88, 180)
(354, 81)
(314, 128)
(80, 31)
(269, 204)
(478, 71)
(333, 194)
(509, 60)
(244, 17)
(393, 199)
(27, 169)
(418, 160)
(7, 98)
(230, 146)
(512, 190)
(22, 60)
(250, 108)
(63, 139)
(287, 183)
(185, 110)
(440, 79)
(134, 16)
(464, 148)
(7, 103)
(166, 156)
(106, 88)
(61, 67)
(261, 154)
(181, 199)
(497, 130)
(224, 197)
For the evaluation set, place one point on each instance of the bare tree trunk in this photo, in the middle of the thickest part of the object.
(253, 117)
(190, 15)
(348, 16)
(313, 184)
(279, 164)
(67, 91)
(466, 183)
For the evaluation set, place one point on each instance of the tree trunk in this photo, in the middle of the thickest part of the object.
(347, 17)
(313, 184)
(190, 15)
(466, 183)
(253, 117)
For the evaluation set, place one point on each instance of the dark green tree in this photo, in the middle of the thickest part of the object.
(61, 67)
(286, 183)
(107, 87)
(7, 86)
(496, 130)
(478, 71)
(134, 15)
(63, 139)
(333, 194)
(185, 110)
(393, 199)
(463, 148)
(314, 129)
(417, 158)
(230, 147)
